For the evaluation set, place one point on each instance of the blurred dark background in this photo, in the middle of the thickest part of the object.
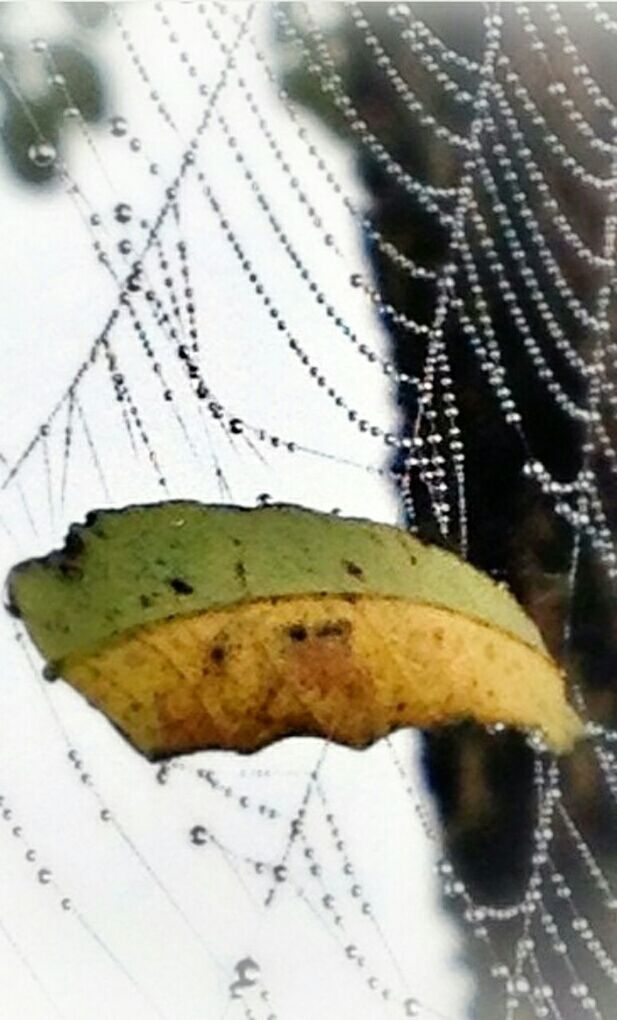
(483, 783)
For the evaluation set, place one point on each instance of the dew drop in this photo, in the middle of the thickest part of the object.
(65, 903)
(123, 212)
(42, 154)
(198, 835)
(105, 815)
(280, 873)
(135, 145)
(236, 426)
(30, 855)
(44, 876)
(119, 126)
(125, 246)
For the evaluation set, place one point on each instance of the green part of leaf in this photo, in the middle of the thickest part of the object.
(125, 568)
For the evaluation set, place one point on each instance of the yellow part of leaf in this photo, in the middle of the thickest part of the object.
(350, 668)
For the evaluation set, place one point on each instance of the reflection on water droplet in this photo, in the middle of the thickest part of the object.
(119, 126)
(42, 154)
(57, 79)
(44, 876)
(199, 835)
(123, 212)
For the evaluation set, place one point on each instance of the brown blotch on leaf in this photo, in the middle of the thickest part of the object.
(298, 632)
(180, 586)
(352, 568)
(217, 653)
(240, 570)
(334, 628)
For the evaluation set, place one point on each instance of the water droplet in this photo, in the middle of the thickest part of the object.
(199, 835)
(30, 855)
(42, 154)
(58, 80)
(95, 220)
(411, 1007)
(7, 813)
(123, 212)
(17, 831)
(38, 46)
(236, 426)
(280, 873)
(65, 903)
(135, 145)
(162, 773)
(119, 126)
(125, 246)
(71, 112)
(105, 815)
(351, 952)
(44, 876)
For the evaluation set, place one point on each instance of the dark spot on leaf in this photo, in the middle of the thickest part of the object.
(334, 628)
(297, 632)
(180, 586)
(145, 601)
(353, 569)
(50, 673)
(74, 545)
(352, 599)
(218, 653)
(12, 608)
(240, 570)
(70, 570)
(400, 706)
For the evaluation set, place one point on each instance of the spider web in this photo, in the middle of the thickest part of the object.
(216, 333)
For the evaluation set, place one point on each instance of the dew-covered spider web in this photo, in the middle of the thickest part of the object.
(359, 258)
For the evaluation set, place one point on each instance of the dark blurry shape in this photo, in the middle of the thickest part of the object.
(87, 15)
(484, 785)
(34, 121)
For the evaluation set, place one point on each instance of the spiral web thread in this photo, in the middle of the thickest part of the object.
(151, 356)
